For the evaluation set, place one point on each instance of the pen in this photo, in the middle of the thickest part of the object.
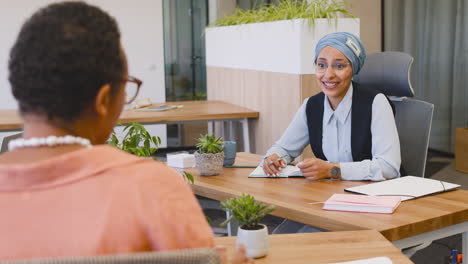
(280, 158)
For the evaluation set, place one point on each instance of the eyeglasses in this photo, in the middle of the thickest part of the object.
(321, 67)
(132, 87)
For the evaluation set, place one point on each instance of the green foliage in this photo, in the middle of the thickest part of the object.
(246, 211)
(199, 96)
(285, 10)
(131, 143)
(188, 177)
(209, 144)
(137, 140)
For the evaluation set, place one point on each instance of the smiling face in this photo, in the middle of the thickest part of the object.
(336, 78)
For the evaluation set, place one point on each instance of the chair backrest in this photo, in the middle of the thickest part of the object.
(189, 256)
(389, 72)
(413, 119)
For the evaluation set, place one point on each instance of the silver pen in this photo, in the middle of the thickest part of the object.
(280, 158)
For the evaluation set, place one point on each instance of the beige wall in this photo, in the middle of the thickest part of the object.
(277, 96)
(370, 14)
(220, 8)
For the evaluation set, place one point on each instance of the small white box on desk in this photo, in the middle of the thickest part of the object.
(182, 160)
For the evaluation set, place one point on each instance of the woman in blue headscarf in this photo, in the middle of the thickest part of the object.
(351, 130)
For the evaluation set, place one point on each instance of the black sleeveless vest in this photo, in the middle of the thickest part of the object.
(361, 117)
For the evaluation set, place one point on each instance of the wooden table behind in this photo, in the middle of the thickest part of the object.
(292, 198)
(10, 120)
(192, 111)
(326, 247)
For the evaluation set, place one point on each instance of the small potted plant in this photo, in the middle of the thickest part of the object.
(209, 157)
(248, 212)
(137, 140)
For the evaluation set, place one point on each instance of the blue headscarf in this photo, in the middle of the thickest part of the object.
(350, 45)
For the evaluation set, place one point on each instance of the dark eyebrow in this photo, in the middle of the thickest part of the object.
(339, 60)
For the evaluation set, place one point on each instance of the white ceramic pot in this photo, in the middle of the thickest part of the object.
(255, 241)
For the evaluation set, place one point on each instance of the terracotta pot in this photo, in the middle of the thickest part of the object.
(209, 164)
(255, 241)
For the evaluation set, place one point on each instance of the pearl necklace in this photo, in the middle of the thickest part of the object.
(50, 141)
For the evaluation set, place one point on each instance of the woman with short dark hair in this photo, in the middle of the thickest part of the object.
(63, 193)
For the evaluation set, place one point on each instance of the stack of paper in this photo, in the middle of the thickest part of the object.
(362, 203)
(183, 160)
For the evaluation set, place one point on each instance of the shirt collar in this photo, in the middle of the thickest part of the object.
(343, 109)
(80, 164)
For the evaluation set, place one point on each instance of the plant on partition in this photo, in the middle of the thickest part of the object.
(285, 10)
(137, 140)
(246, 211)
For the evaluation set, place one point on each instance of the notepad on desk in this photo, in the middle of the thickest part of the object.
(362, 203)
(407, 187)
(287, 172)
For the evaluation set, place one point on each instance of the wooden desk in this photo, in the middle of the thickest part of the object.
(413, 222)
(326, 247)
(192, 111)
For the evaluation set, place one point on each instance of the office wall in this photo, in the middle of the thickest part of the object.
(220, 8)
(370, 14)
(141, 25)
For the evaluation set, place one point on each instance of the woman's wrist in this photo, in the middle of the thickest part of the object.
(335, 171)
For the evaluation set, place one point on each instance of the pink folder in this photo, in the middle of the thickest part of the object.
(362, 203)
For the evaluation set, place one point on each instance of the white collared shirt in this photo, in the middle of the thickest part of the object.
(336, 140)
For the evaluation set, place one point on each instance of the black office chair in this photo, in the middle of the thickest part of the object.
(389, 72)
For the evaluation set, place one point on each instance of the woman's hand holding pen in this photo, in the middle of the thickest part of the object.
(273, 164)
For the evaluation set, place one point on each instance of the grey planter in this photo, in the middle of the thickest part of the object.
(209, 164)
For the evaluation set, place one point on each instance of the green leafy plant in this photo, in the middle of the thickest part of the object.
(285, 10)
(137, 140)
(199, 96)
(188, 176)
(246, 211)
(209, 144)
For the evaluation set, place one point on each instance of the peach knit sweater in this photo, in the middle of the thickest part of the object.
(96, 201)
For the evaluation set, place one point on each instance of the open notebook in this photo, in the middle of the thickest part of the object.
(407, 187)
(288, 172)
